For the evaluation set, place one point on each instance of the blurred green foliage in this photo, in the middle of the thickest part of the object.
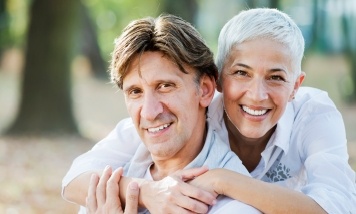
(13, 19)
(110, 16)
(324, 23)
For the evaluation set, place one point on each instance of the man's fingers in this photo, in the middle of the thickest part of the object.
(101, 188)
(188, 174)
(112, 189)
(91, 204)
(132, 194)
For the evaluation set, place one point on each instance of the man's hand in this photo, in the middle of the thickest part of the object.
(173, 195)
(103, 194)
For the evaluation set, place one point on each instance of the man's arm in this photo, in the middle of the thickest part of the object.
(114, 150)
(77, 190)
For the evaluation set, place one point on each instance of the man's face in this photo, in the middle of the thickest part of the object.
(166, 105)
(257, 81)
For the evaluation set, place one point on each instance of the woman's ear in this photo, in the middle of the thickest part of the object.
(207, 90)
(298, 82)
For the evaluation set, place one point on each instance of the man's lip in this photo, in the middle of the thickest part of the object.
(158, 128)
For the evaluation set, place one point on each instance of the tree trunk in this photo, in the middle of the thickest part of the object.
(186, 9)
(89, 44)
(251, 3)
(46, 106)
(5, 39)
(314, 37)
(349, 48)
(274, 4)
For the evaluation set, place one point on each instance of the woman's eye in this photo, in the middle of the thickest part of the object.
(164, 85)
(241, 73)
(278, 78)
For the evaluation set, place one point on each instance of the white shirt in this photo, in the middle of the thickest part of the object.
(307, 152)
(224, 205)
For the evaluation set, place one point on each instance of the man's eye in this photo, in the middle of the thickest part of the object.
(165, 86)
(134, 92)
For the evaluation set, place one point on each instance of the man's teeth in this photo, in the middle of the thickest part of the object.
(253, 112)
(158, 128)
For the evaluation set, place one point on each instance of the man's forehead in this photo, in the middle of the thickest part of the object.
(153, 67)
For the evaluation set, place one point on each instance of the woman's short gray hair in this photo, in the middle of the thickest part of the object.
(261, 23)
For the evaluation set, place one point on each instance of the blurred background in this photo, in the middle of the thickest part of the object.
(56, 99)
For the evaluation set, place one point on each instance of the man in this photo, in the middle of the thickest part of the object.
(163, 66)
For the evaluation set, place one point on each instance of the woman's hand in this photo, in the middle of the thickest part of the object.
(208, 181)
(173, 195)
(103, 194)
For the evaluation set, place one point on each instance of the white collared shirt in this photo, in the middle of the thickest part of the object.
(214, 154)
(307, 152)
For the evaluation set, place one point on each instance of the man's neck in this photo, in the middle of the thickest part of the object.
(161, 168)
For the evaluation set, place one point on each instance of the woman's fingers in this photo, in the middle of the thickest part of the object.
(188, 174)
(191, 191)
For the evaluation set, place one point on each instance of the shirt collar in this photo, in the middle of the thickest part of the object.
(216, 111)
(284, 129)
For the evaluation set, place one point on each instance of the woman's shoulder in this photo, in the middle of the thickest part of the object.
(313, 100)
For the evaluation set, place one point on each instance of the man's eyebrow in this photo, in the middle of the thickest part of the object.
(128, 88)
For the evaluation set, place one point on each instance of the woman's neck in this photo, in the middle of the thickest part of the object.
(248, 149)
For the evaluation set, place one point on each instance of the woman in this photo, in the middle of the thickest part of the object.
(290, 138)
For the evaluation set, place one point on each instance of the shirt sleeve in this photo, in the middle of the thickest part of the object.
(331, 180)
(115, 150)
(226, 205)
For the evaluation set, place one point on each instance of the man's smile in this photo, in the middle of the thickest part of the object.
(159, 128)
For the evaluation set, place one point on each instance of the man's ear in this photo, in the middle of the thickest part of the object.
(298, 82)
(207, 90)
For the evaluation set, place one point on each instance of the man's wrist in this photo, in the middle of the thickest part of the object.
(145, 188)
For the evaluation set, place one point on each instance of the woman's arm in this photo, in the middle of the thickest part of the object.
(267, 197)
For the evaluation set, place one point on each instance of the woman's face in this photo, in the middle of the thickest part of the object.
(257, 82)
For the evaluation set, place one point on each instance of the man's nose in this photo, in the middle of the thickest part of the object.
(151, 107)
